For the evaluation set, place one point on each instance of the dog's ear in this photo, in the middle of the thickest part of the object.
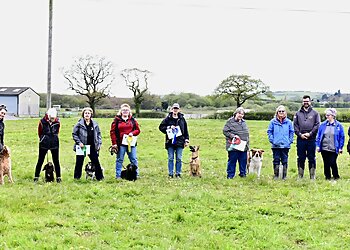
(45, 167)
(198, 147)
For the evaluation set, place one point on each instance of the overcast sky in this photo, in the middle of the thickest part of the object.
(189, 45)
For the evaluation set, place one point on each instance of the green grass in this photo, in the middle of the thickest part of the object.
(157, 213)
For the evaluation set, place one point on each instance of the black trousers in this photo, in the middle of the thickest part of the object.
(55, 159)
(330, 163)
(94, 160)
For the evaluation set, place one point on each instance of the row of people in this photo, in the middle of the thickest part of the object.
(326, 138)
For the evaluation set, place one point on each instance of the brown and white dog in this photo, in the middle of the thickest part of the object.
(195, 162)
(5, 165)
(254, 163)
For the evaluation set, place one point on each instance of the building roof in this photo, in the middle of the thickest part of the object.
(14, 90)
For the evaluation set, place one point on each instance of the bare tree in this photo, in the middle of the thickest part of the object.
(241, 88)
(91, 77)
(137, 81)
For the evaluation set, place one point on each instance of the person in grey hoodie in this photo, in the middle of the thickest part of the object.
(306, 123)
(87, 132)
(280, 134)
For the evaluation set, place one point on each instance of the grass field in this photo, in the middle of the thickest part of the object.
(157, 213)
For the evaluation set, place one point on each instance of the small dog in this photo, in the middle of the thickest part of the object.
(5, 165)
(129, 172)
(195, 162)
(49, 172)
(90, 171)
(255, 158)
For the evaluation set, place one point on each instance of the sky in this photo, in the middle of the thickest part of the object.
(188, 45)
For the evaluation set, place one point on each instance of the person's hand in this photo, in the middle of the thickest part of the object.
(172, 127)
(115, 146)
(130, 134)
(318, 149)
(340, 151)
(305, 136)
(81, 145)
(187, 142)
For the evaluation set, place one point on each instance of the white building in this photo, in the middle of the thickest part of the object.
(20, 101)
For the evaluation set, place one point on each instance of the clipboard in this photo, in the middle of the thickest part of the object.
(239, 147)
(80, 151)
(125, 140)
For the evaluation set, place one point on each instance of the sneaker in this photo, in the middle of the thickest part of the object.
(178, 176)
(36, 179)
(171, 176)
(58, 180)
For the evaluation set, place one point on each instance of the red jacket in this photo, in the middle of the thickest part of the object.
(124, 127)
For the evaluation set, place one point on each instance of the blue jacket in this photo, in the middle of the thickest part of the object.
(280, 135)
(339, 136)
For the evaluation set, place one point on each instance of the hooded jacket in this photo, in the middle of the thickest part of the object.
(280, 133)
(306, 122)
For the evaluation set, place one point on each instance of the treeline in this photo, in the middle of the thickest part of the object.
(155, 102)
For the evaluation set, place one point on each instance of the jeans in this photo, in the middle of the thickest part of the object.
(120, 159)
(280, 155)
(306, 148)
(178, 152)
(233, 157)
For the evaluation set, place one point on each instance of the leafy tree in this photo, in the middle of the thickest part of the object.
(241, 88)
(91, 77)
(137, 81)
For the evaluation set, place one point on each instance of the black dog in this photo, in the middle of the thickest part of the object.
(129, 172)
(49, 172)
(90, 170)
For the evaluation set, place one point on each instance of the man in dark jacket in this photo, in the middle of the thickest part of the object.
(306, 123)
(174, 126)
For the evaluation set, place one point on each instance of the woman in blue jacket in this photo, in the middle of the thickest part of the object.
(281, 134)
(330, 142)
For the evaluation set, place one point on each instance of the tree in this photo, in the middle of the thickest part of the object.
(91, 77)
(241, 88)
(137, 81)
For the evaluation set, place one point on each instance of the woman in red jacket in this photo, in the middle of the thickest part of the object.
(124, 130)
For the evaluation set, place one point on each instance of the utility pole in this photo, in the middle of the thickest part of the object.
(48, 99)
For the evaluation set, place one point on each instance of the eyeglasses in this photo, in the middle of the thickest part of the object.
(124, 110)
(281, 111)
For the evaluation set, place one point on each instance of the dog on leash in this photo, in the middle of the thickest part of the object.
(5, 165)
(129, 172)
(90, 171)
(49, 172)
(195, 162)
(254, 163)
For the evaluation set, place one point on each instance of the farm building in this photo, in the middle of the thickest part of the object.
(20, 101)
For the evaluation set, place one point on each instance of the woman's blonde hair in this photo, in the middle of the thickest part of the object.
(85, 109)
(124, 105)
(281, 107)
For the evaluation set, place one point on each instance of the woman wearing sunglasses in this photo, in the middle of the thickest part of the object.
(281, 134)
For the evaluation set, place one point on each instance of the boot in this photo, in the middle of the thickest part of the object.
(284, 174)
(301, 167)
(312, 170)
(276, 171)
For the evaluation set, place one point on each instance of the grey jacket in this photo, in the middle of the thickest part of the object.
(232, 128)
(80, 134)
(306, 122)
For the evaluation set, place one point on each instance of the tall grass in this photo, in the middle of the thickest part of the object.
(160, 213)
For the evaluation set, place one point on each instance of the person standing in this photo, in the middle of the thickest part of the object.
(48, 130)
(3, 111)
(236, 128)
(280, 134)
(124, 124)
(177, 137)
(306, 122)
(330, 142)
(87, 132)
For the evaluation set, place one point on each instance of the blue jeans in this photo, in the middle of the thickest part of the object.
(233, 157)
(178, 152)
(120, 159)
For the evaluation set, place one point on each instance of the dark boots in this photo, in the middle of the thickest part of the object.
(312, 169)
(301, 167)
(284, 174)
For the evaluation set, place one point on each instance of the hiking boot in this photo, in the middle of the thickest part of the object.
(36, 179)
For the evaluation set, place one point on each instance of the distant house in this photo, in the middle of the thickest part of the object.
(20, 101)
